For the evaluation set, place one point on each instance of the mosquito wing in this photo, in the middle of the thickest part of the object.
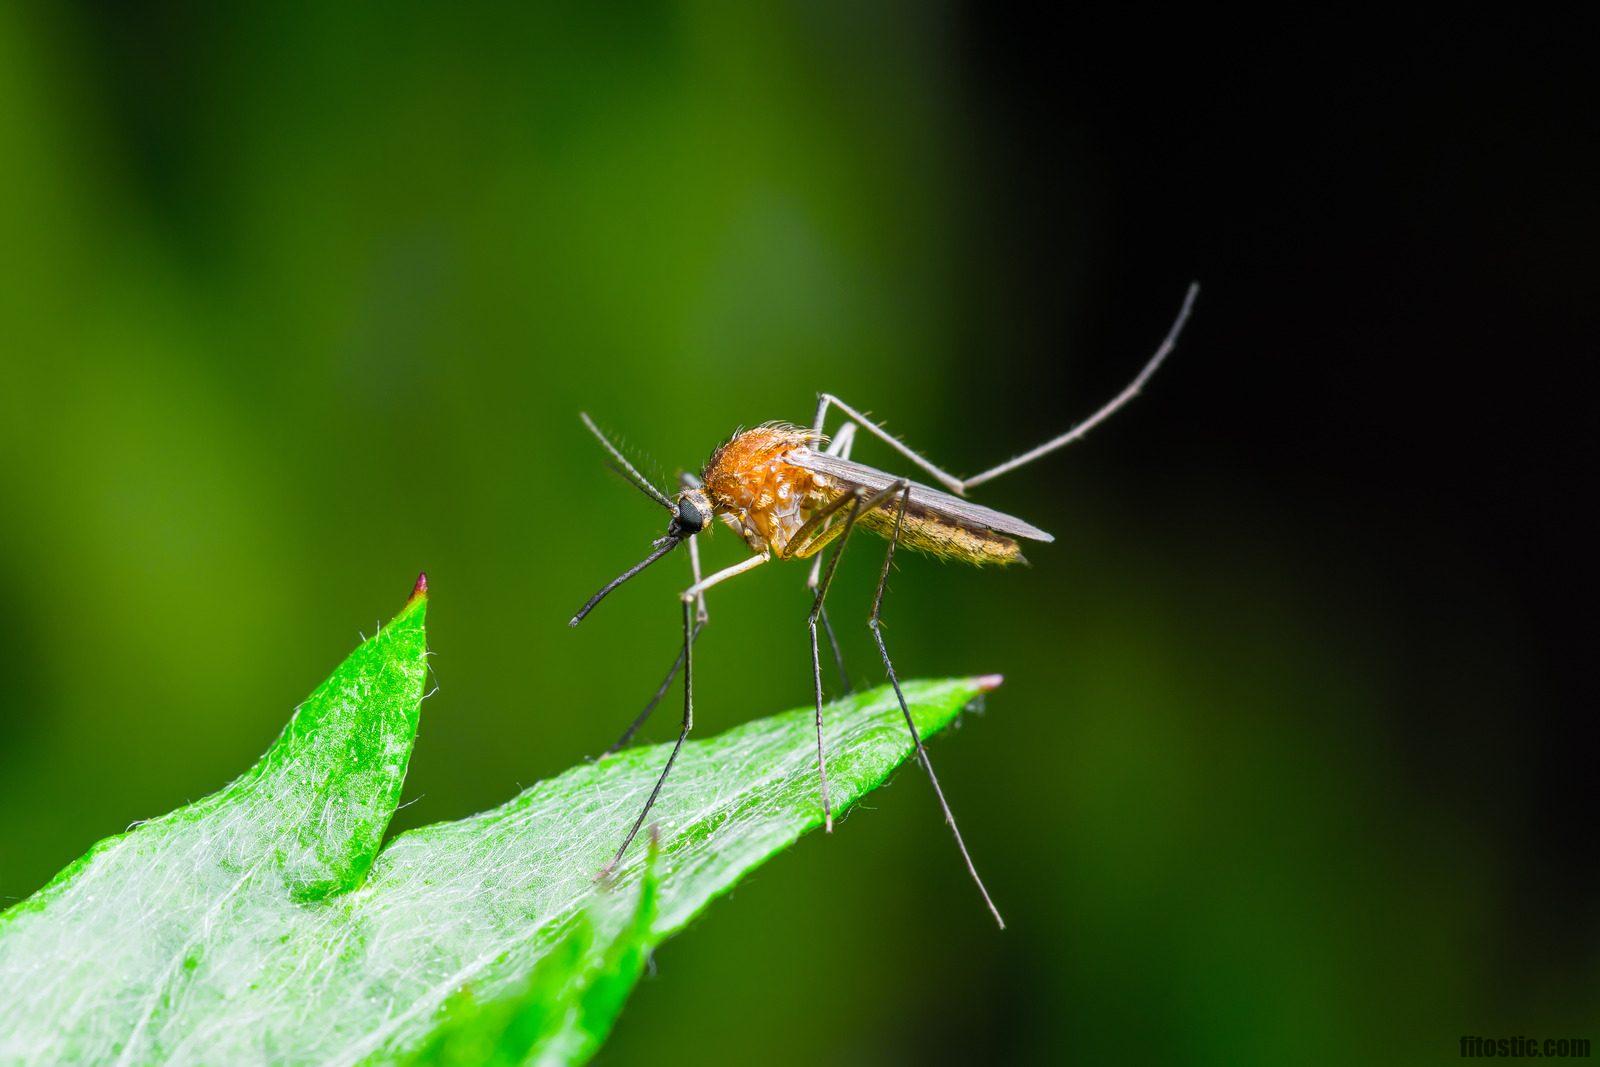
(950, 508)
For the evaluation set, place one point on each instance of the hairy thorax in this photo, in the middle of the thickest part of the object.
(757, 492)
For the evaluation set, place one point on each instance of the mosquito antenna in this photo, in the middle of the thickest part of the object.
(663, 546)
(628, 471)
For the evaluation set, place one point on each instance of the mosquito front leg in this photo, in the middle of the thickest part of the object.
(692, 593)
(875, 624)
(701, 615)
(661, 691)
(690, 629)
(689, 481)
(683, 734)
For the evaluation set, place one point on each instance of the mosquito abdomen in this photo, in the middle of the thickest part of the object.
(947, 540)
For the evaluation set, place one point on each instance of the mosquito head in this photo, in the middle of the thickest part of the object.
(690, 514)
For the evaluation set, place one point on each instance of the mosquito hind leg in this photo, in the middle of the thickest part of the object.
(689, 630)
(1108, 409)
(959, 486)
(874, 623)
(949, 481)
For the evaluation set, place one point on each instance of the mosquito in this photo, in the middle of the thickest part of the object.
(790, 492)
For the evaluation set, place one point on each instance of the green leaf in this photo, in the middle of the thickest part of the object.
(262, 923)
(565, 1009)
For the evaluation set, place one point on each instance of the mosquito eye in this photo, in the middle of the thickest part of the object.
(689, 516)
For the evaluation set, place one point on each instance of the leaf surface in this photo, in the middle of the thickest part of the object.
(263, 923)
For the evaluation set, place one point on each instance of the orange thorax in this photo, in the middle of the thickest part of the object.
(757, 492)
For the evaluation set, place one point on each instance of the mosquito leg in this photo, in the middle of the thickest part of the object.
(701, 618)
(816, 660)
(875, 624)
(819, 531)
(950, 481)
(858, 505)
(839, 446)
(661, 691)
(1132, 390)
(843, 441)
(689, 630)
(694, 591)
(700, 613)
(827, 628)
(959, 486)
(688, 597)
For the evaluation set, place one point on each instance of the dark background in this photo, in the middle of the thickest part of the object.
(1292, 762)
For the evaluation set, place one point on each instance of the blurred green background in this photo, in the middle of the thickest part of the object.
(296, 300)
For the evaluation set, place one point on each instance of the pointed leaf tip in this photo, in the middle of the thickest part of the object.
(988, 683)
(419, 590)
